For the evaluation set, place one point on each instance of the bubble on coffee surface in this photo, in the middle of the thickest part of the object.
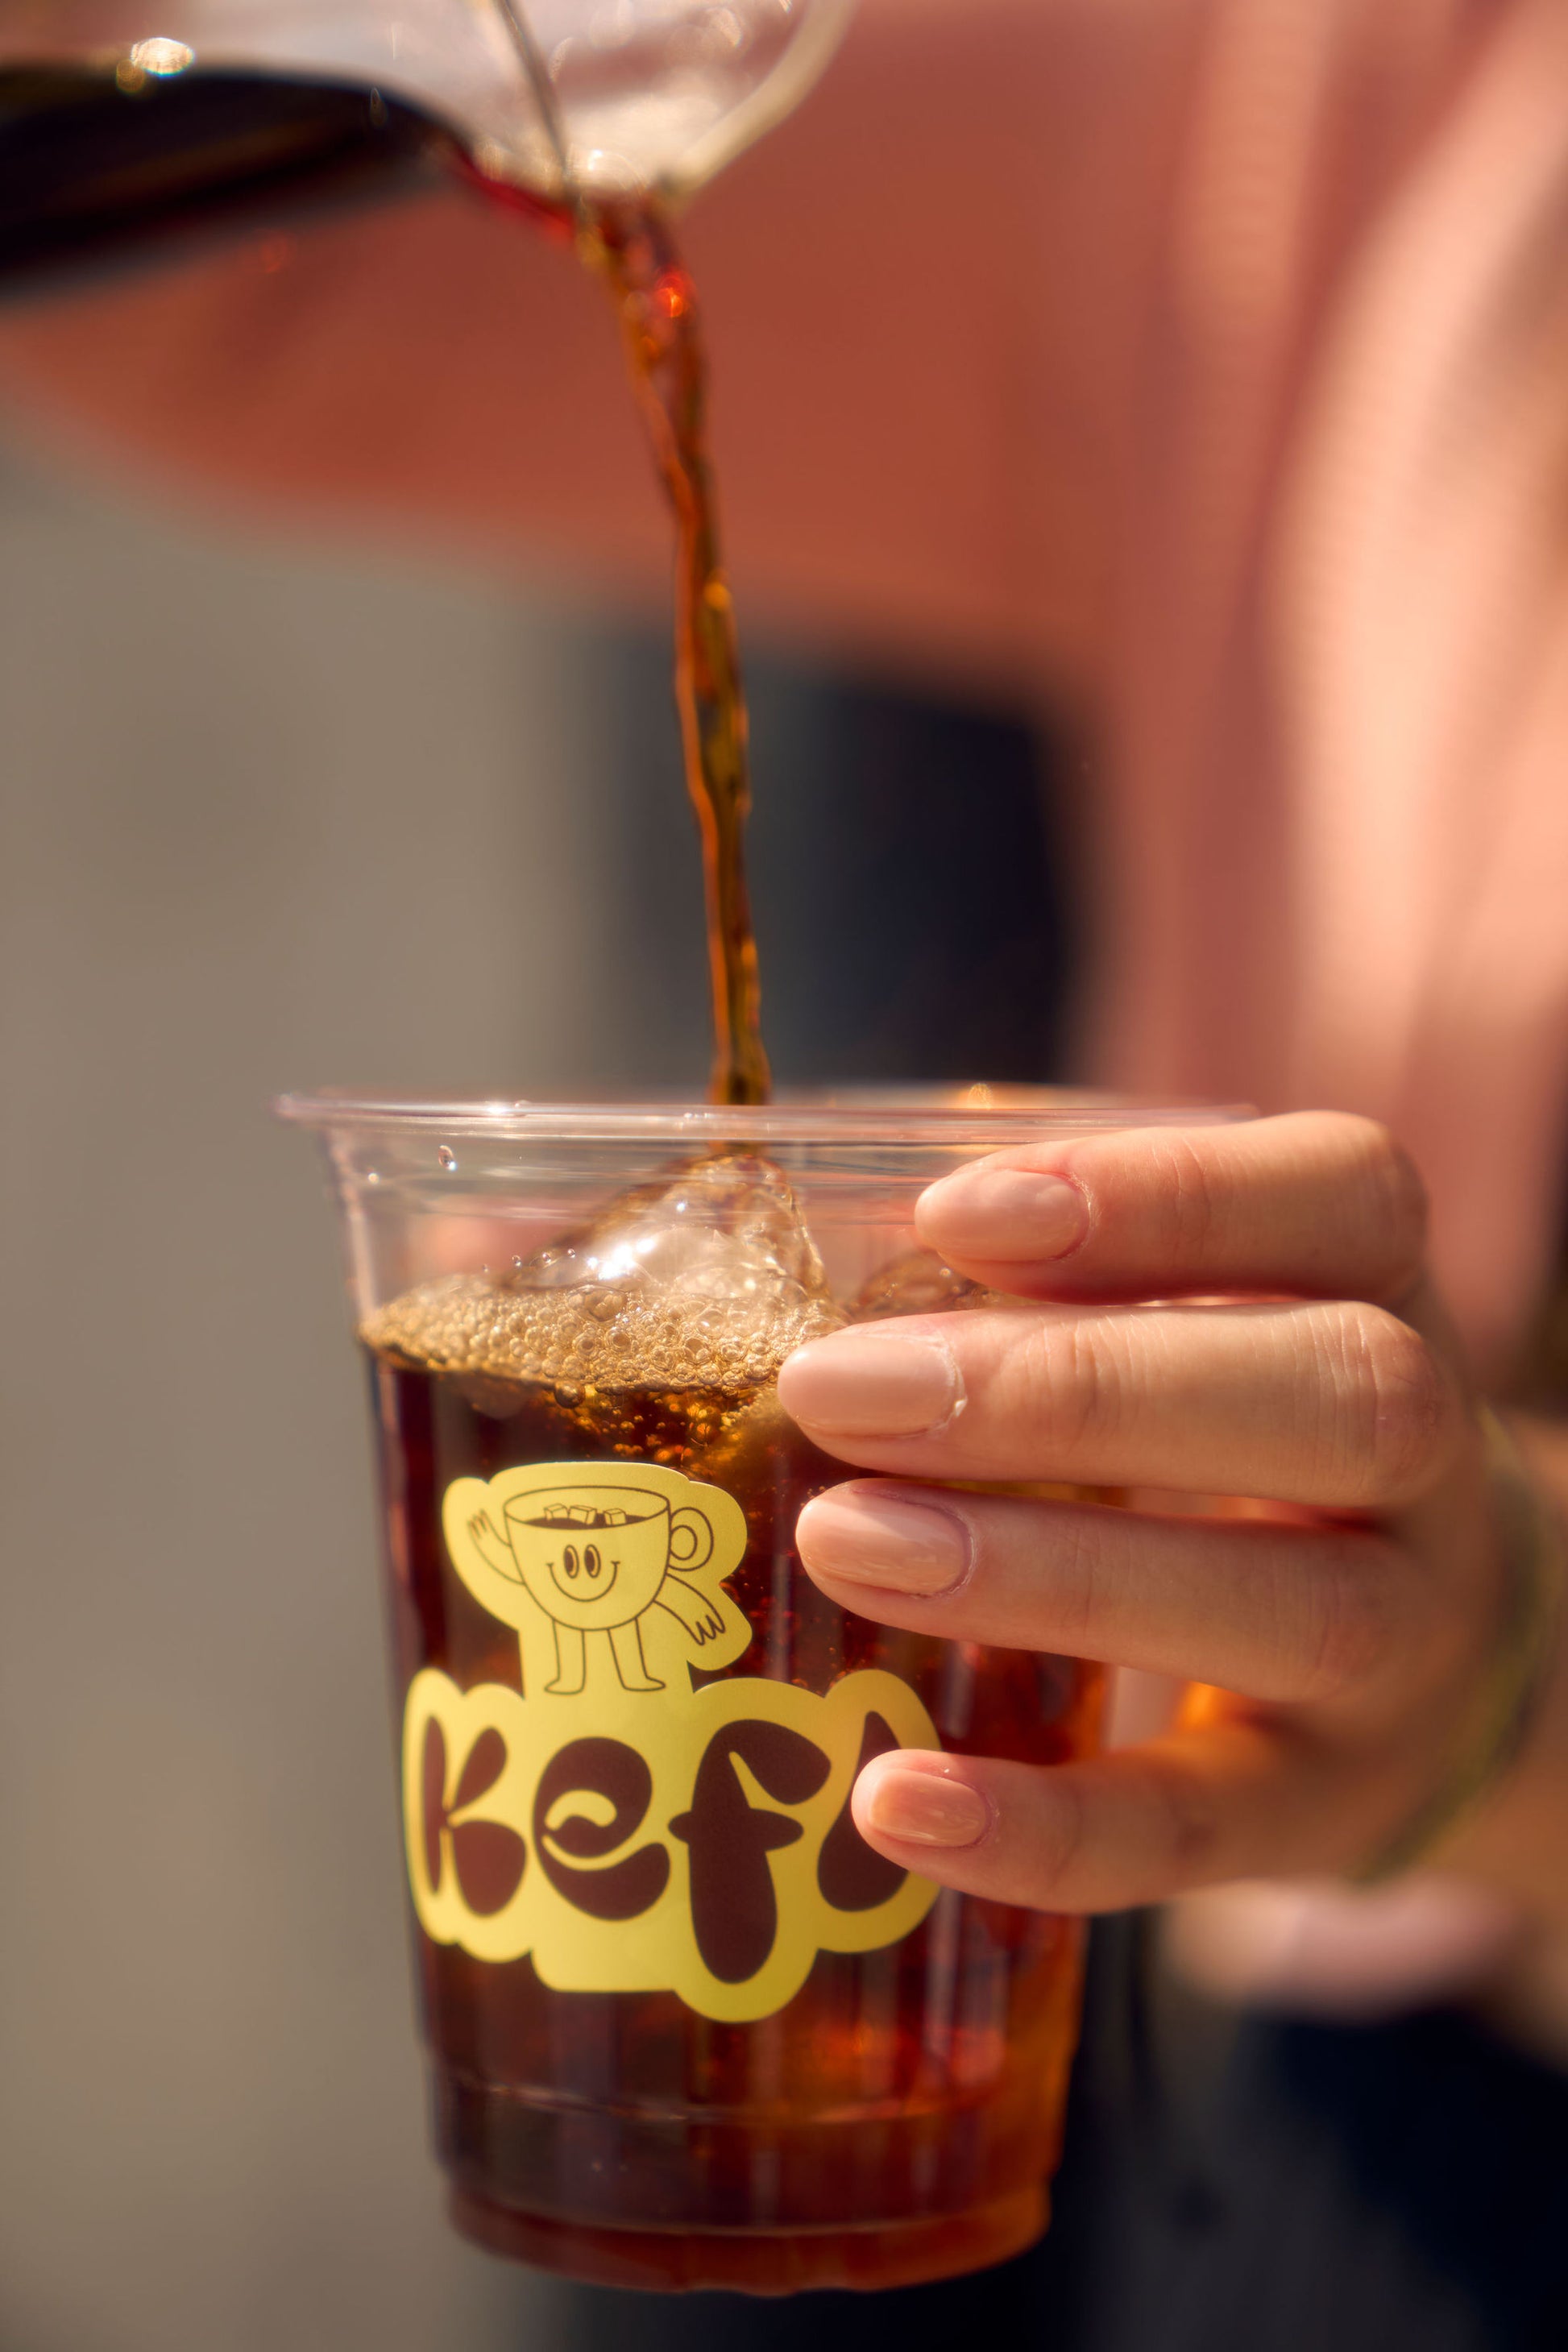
(705, 1280)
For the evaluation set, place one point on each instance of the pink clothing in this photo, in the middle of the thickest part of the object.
(1202, 360)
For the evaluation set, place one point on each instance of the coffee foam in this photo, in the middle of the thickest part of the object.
(470, 1323)
(707, 1280)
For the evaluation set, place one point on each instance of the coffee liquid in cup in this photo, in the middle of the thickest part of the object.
(724, 2042)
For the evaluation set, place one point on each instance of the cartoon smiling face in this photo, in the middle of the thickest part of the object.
(590, 1556)
(596, 1570)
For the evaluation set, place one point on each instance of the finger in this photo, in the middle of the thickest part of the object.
(1317, 1204)
(1244, 1800)
(1338, 1405)
(1275, 1612)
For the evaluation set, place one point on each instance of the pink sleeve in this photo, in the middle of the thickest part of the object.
(1334, 815)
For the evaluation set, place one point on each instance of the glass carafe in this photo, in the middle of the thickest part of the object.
(632, 95)
(121, 120)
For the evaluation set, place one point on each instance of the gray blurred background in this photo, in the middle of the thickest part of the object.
(242, 802)
(274, 818)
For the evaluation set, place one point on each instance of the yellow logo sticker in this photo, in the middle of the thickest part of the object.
(631, 1832)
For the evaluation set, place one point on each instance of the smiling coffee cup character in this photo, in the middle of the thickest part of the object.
(597, 1556)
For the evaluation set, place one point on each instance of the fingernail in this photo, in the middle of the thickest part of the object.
(866, 1384)
(861, 1537)
(925, 1809)
(1004, 1212)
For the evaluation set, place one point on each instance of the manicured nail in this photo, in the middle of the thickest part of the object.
(861, 1537)
(984, 1211)
(869, 1385)
(925, 1809)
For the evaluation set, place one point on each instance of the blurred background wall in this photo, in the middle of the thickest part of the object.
(274, 818)
(264, 820)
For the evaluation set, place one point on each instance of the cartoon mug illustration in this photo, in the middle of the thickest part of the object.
(605, 1555)
(629, 1814)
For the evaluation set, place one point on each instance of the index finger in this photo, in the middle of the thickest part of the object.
(1315, 1205)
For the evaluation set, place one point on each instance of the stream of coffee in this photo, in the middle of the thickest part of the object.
(632, 246)
(99, 159)
(669, 366)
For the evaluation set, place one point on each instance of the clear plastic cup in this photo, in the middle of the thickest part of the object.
(684, 2027)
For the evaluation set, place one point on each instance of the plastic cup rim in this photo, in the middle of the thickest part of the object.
(891, 1117)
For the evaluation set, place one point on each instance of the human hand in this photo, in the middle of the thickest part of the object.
(1343, 1625)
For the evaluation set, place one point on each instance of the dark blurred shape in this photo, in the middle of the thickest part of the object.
(909, 872)
(99, 161)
